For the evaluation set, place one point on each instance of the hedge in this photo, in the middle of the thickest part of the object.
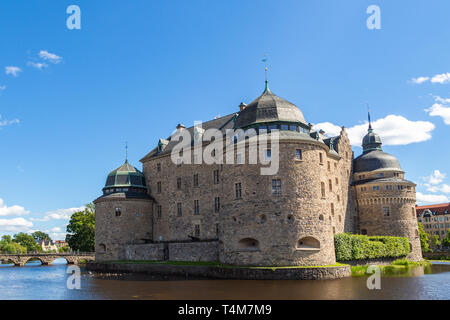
(359, 247)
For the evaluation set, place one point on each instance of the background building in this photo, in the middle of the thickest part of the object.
(435, 219)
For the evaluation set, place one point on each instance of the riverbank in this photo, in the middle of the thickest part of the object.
(397, 267)
(171, 270)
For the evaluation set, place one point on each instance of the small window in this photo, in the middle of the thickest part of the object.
(332, 209)
(322, 189)
(320, 158)
(158, 187)
(217, 204)
(216, 176)
(158, 211)
(330, 185)
(102, 247)
(118, 212)
(376, 188)
(196, 207)
(284, 127)
(179, 183)
(328, 165)
(276, 187)
(337, 181)
(179, 210)
(298, 154)
(268, 154)
(158, 167)
(217, 229)
(386, 212)
(238, 190)
(195, 180)
(197, 230)
(293, 128)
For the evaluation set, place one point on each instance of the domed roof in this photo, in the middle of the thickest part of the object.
(125, 176)
(268, 107)
(376, 160)
(371, 141)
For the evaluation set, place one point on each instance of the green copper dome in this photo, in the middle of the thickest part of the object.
(126, 178)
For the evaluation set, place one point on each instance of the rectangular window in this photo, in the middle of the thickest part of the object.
(158, 167)
(268, 154)
(158, 187)
(330, 185)
(179, 183)
(386, 212)
(195, 180)
(179, 211)
(322, 189)
(376, 188)
(216, 176)
(298, 154)
(320, 158)
(276, 187)
(158, 211)
(196, 207)
(217, 204)
(337, 181)
(118, 212)
(328, 165)
(197, 230)
(238, 190)
(284, 127)
(332, 208)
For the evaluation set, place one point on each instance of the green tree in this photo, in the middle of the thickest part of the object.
(446, 241)
(81, 229)
(424, 240)
(9, 246)
(435, 241)
(27, 241)
(39, 236)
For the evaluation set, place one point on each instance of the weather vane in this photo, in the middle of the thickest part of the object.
(265, 69)
(126, 151)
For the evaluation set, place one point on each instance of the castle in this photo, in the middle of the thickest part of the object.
(233, 214)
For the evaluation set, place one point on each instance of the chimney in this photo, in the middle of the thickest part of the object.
(242, 106)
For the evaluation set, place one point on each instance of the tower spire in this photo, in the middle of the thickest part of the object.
(368, 117)
(126, 152)
(266, 88)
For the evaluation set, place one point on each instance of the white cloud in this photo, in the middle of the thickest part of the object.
(37, 65)
(4, 123)
(393, 130)
(55, 229)
(444, 188)
(436, 177)
(431, 198)
(2, 88)
(11, 211)
(440, 110)
(441, 78)
(60, 214)
(420, 80)
(15, 225)
(53, 58)
(12, 70)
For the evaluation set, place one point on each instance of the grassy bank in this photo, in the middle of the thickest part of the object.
(400, 266)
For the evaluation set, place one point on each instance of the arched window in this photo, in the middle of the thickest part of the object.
(249, 244)
(417, 233)
(308, 243)
(102, 247)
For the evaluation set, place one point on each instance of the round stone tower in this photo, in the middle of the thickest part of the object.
(283, 219)
(385, 200)
(123, 214)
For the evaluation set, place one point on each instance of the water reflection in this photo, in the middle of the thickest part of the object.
(49, 282)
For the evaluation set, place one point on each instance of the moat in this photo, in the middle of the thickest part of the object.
(35, 281)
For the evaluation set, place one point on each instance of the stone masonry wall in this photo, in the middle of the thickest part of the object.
(194, 251)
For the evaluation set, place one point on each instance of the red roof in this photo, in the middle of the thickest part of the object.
(443, 208)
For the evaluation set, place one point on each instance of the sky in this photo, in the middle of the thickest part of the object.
(71, 98)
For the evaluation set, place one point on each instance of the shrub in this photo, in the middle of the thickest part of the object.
(360, 247)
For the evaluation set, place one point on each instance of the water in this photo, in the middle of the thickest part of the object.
(35, 281)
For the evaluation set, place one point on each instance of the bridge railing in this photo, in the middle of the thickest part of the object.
(75, 253)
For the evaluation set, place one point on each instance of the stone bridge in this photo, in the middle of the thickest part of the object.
(47, 258)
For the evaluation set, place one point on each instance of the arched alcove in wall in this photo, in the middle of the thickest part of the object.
(249, 244)
(308, 243)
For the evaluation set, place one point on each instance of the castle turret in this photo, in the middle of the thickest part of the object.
(123, 214)
(385, 200)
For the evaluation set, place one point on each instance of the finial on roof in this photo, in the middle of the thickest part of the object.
(368, 116)
(266, 88)
(126, 152)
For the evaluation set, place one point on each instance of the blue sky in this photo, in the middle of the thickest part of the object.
(135, 69)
